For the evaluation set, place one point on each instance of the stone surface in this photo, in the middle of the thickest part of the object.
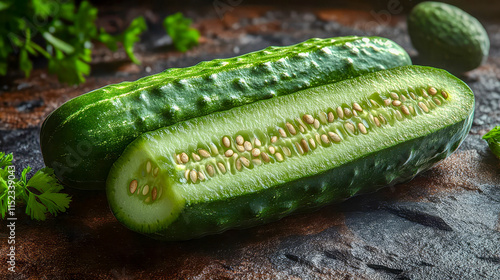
(444, 224)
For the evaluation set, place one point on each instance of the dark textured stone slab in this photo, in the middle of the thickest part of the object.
(444, 224)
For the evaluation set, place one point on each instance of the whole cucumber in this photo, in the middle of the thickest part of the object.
(259, 162)
(83, 137)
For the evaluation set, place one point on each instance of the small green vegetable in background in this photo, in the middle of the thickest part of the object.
(183, 36)
(41, 194)
(447, 37)
(493, 139)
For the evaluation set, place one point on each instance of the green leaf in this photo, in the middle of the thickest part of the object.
(69, 69)
(58, 44)
(132, 35)
(85, 21)
(4, 5)
(4, 198)
(178, 28)
(49, 199)
(43, 8)
(493, 140)
(109, 40)
(35, 209)
(24, 62)
(5, 160)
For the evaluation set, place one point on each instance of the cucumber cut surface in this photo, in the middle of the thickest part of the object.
(259, 162)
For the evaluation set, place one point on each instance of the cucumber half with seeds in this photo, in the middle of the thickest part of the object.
(259, 162)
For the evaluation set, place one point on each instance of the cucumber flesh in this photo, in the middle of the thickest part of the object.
(259, 162)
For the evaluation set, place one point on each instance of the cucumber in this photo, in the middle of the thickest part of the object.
(81, 139)
(259, 162)
(447, 37)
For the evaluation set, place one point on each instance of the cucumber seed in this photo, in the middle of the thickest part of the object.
(133, 186)
(340, 113)
(145, 190)
(204, 153)
(279, 157)
(245, 161)
(357, 107)
(193, 175)
(335, 137)
(304, 145)
(196, 157)
(423, 106)
(221, 167)
(362, 128)
(405, 110)
(290, 128)
(282, 132)
(154, 193)
(257, 142)
(256, 152)
(330, 117)
(229, 153)
(239, 140)
(324, 138)
(247, 145)
(210, 170)
(308, 119)
(184, 158)
(226, 142)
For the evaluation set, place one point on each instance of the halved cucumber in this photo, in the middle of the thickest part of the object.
(259, 162)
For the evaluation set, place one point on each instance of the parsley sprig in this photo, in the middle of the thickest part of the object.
(41, 194)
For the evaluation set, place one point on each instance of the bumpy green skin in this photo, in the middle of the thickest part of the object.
(83, 137)
(387, 155)
(493, 139)
(447, 37)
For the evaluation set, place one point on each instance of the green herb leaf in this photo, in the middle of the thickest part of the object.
(132, 35)
(5, 160)
(70, 69)
(43, 195)
(178, 28)
(58, 44)
(493, 139)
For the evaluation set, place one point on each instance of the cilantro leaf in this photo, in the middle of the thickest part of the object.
(493, 140)
(178, 28)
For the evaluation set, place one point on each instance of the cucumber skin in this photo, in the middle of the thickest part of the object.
(81, 139)
(369, 174)
(447, 37)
